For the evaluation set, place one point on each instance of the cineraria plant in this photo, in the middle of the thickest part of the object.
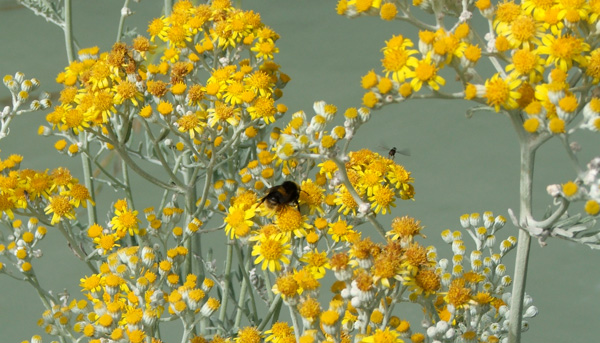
(194, 109)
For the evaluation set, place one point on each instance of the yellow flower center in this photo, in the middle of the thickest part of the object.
(395, 60)
(458, 295)
(425, 71)
(271, 249)
(428, 280)
(524, 61)
(126, 90)
(223, 112)
(507, 12)
(384, 196)
(523, 28)
(497, 91)
(61, 205)
(188, 122)
(289, 219)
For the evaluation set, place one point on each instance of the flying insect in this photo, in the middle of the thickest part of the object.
(281, 195)
(393, 151)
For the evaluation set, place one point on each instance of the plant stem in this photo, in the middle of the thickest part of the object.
(68, 30)
(524, 243)
(227, 281)
(87, 177)
(122, 21)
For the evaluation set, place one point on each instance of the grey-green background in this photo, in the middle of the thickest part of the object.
(460, 165)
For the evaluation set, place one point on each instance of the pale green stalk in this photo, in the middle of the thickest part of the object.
(227, 279)
(295, 323)
(276, 303)
(68, 30)
(122, 21)
(244, 288)
(87, 177)
(524, 244)
(528, 145)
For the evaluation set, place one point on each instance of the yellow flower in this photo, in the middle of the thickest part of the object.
(524, 31)
(289, 220)
(425, 71)
(192, 123)
(383, 197)
(396, 62)
(239, 221)
(384, 336)
(265, 49)
(563, 50)
(340, 230)
(60, 206)
(125, 90)
(458, 295)
(125, 220)
(223, 113)
(272, 251)
(526, 63)
(316, 262)
(500, 92)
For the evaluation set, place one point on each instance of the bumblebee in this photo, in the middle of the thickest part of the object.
(282, 195)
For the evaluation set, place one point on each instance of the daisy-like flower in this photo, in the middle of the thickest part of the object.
(328, 168)
(312, 196)
(425, 71)
(248, 334)
(458, 295)
(404, 228)
(60, 207)
(386, 267)
(287, 286)
(79, 195)
(264, 108)
(265, 49)
(345, 201)
(289, 220)
(500, 92)
(239, 221)
(158, 28)
(526, 63)
(396, 63)
(369, 179)
(125, 220)
(260, 83)
(125, 90)
(340, 230)
(506, 13)
(524, 31)
(384, 336)
(192, 123)
(563, 50)
(272, 251)
(91, 283)
(307, 281)
(316, 262)
(383, 197)
(279, 332)
(592, 67)
(223, 113)
(424, 282)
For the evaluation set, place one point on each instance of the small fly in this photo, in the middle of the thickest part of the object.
(393, 151)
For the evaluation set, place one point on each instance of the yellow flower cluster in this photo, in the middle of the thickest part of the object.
(31, 192)
(534, 46)
(160, 81)
(129, 295)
